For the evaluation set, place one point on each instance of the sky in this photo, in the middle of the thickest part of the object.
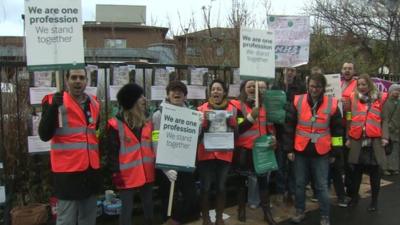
(159, 12)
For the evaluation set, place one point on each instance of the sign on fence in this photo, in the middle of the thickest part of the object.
(53, 31)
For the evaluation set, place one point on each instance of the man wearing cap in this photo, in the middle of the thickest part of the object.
(291, 85)
(188, 209)
(391, 116)
(130, 156)
(70, 119)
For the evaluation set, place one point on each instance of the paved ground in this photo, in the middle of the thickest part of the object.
(388, 213)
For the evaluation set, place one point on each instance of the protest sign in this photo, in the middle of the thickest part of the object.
(54, 38)
(381, 84)
(292, 39)
(257, 54)
(264, 159)
(333, 85)
(177, 140)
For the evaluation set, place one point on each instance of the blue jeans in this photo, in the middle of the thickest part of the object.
(319, 169)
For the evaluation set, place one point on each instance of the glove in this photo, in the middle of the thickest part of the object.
(171, 174)
(58, 99)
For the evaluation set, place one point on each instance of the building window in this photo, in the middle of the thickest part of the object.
(219, 51)
(115, 43)
(192, 51)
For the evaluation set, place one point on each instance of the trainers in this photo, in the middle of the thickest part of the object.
(253, 206)
(386, 173)
(300, 216)
(396, 172)
(325, 220)
(314, 198)
(343, 202)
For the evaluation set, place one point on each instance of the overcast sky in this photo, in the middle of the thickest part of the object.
(159, 12)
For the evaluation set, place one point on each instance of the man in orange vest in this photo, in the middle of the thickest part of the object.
(69, 120)
(348, 85)
(314, 125)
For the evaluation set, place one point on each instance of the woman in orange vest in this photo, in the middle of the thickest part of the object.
(130, 156)
(367, 137)
(219, 116)
(252, 124)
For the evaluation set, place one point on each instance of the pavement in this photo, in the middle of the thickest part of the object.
(388, 210)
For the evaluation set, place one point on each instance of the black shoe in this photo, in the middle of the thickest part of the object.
(372, 208)
(353, 202)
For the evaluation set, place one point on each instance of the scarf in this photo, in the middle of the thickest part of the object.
(220, 106)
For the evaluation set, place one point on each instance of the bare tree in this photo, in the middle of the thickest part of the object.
(371, 22)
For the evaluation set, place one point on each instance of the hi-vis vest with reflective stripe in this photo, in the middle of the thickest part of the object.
(136, 158)
(223, 154)
(317, 129)
(74, 146)
(361, 116)
(259, 128)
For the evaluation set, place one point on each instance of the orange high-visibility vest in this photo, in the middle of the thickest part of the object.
(260, 126)
(221, 154)
(314, 128)
(348, 90)
(136, 158)
(74, 146)
(362, 118)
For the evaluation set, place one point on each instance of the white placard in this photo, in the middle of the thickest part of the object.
(170, 69)
(196, 92)
(333, 87)
(257, 54)
(161, 77)
(91, 91)
(139, 77)
(113, 90)
(158, 93)
(92, 75)
(36, 145)
(234, 90)
(38, 93)
(54, 37)
(7, 87)
(236, 76)
(197, 75)
(219, 140)
(2, 194)
(35, 123)
(42, 78)
(177, 142)
(121, 75)
(292, 39)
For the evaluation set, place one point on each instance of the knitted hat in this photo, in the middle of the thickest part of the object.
(394, 87)
(128, 95)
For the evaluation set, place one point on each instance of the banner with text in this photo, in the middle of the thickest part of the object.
(257, 56)
(53, 31)
(177, 140)
(292, 39)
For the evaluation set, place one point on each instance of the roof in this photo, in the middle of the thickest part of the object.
(121, 25)
(216, 32)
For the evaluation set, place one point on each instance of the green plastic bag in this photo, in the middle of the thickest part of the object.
(275, 102)
(264, 155)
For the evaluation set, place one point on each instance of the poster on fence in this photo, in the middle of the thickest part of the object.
(177, 140)
(54, 37)
(257, 54)
(292, 39)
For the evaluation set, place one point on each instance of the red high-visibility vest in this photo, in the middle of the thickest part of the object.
(315, 128)
(362, 118)
(260, 126)
(221, 154)
(74, 146)
(136, 158)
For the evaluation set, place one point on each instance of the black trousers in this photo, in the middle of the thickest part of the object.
(186, 205)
